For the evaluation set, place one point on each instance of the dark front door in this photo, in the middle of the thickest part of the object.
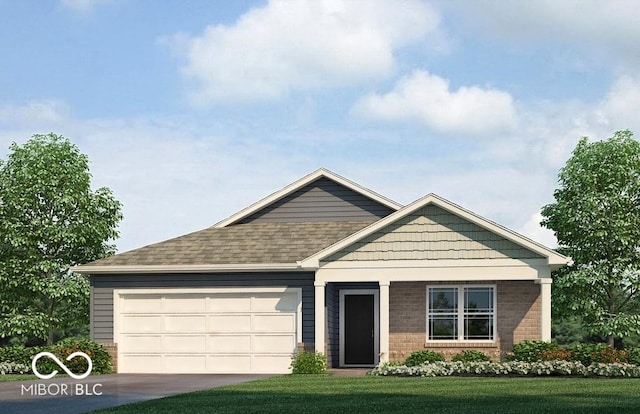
(359, 335)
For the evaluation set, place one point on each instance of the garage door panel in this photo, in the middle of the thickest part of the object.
(229, 303)
(141, 324)
(273, 344)
(229, 323)
(184, 343)
(185, 363)
(185, 303)
(230, 344)
(139, 363)
(225, 330)
(185, 323)
(284, 322)
(269, 302)
(141, 343)
(269, 364)
(142, 304)
(229, 363)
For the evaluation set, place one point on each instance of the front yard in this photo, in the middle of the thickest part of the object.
(328, 394)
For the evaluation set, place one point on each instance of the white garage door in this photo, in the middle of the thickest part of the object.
(207, 331)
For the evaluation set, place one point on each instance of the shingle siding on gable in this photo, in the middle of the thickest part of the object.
(432, 233)
(322, 200)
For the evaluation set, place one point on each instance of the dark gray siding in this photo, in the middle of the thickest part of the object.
(333, 316)
(321, 200)
(102, 287)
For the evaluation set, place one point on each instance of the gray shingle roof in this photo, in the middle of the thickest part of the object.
(253, 243)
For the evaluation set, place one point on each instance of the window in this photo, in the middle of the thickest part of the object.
(461, 313)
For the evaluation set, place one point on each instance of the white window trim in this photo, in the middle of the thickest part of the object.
(460, 311)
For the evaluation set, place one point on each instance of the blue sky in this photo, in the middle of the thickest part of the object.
(191, 110)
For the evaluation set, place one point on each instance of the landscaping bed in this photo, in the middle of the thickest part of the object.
(529, 358)
(513, 368)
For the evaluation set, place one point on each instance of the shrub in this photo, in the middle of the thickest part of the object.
(556, 354)
(520, 368)
(634, 356)
(423, 357)
(609, 355)
(99, 356)
(602, 353)
(471, 356)
(19, 354)
(13, 368)
(308, 363)
(531, 351)
(24, 355)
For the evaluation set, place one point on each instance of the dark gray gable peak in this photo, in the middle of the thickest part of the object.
(319, 196)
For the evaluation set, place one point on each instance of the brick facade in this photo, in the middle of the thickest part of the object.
(112, 349)
(518, 318)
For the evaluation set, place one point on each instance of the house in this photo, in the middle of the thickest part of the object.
(323, 264)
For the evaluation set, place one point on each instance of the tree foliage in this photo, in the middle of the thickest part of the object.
(50, 220)
(596, 219)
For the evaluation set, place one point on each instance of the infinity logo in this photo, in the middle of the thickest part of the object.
(61, 365)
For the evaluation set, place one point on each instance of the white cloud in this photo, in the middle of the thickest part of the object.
(619, 109)
(598, 30)
(428, 99)
(533, 230)
(300, 45)
(35, 113)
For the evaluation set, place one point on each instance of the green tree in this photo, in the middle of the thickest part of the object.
(50, 220)
(596, 219)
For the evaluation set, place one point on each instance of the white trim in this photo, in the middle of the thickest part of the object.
(545, 308)
(433, 263)
(307, 179)
(554, 259)
(435, 274)
(384, 320)
(460, 314)
(319, 319)
(208, 268)
(376, 324)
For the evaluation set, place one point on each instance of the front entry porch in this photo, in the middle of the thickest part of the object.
(359, 324)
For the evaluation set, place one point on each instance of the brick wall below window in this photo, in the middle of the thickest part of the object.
(518, 318)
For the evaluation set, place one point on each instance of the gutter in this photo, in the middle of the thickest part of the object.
(205, 268)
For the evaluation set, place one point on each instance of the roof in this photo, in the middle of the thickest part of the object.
(554, 259)
(322, 172)
(253, 246)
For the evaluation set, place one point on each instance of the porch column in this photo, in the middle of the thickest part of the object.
(384, 320)
(319, 316)
(545, 308)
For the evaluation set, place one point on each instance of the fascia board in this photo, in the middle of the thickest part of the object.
(155, 269)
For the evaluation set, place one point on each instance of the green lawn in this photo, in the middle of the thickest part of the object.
(327, 394)
(17, 377)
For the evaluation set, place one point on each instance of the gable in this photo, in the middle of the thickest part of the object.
(432, 233)
(321, 200)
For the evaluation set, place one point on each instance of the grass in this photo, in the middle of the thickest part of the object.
(17, 377)
(327, 394)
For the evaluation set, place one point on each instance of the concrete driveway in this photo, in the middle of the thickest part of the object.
(66, 395)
